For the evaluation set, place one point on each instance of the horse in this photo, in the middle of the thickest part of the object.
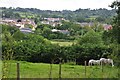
(94, 62)
(106, 61)
(97, 62)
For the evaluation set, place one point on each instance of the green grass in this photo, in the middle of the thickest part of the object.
(23, 14)
(41, 70)
(92, 17)
(0, 69)
(62, 43)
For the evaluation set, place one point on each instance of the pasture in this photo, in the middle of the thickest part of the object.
(62, 43)
(42, 70)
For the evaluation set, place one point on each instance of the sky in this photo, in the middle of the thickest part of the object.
(57, 4)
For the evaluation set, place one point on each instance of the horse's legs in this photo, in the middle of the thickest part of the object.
(112, 63)
(90, 64)
(98, 63)
(101, 64)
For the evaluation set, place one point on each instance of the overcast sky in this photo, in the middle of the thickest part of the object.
(57, 4)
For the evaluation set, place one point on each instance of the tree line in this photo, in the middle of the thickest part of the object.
(79, 15)
(35, 48)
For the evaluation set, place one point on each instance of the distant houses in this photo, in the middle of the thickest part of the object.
(25, 25)
(53, 21)
(26, 30)
(107, 27)
(83, 24)
(28, 25)
(61, 31)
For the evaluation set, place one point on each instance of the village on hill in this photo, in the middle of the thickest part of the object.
(28, 25)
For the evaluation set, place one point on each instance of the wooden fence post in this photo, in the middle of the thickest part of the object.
(50, 75)
(60, 69)
(102, 66)
(18, 71)
(85, 69)
(102, 69)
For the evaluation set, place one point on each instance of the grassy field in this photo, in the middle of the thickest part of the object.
(63, 43)
(41, 70)
(92, 17)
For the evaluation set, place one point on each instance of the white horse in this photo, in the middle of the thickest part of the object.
(93, 62)
(98, 62)
(106, 61)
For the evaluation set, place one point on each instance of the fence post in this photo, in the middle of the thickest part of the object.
(18, 71)
(85, 69)
(102, 66)
(102, 69)
(50, 75)
(5, 70)
(60, 69)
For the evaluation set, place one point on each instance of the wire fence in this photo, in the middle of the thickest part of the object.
(59, 71)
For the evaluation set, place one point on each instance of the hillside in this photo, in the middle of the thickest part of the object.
(79, 15)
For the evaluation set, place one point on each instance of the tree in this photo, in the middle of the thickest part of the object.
(46, 32)
(17, 15)
(116, 21)
(18, 35)
(88, 45)
(91, 39)
(116, 32)
(7, 46)
(100, 19)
